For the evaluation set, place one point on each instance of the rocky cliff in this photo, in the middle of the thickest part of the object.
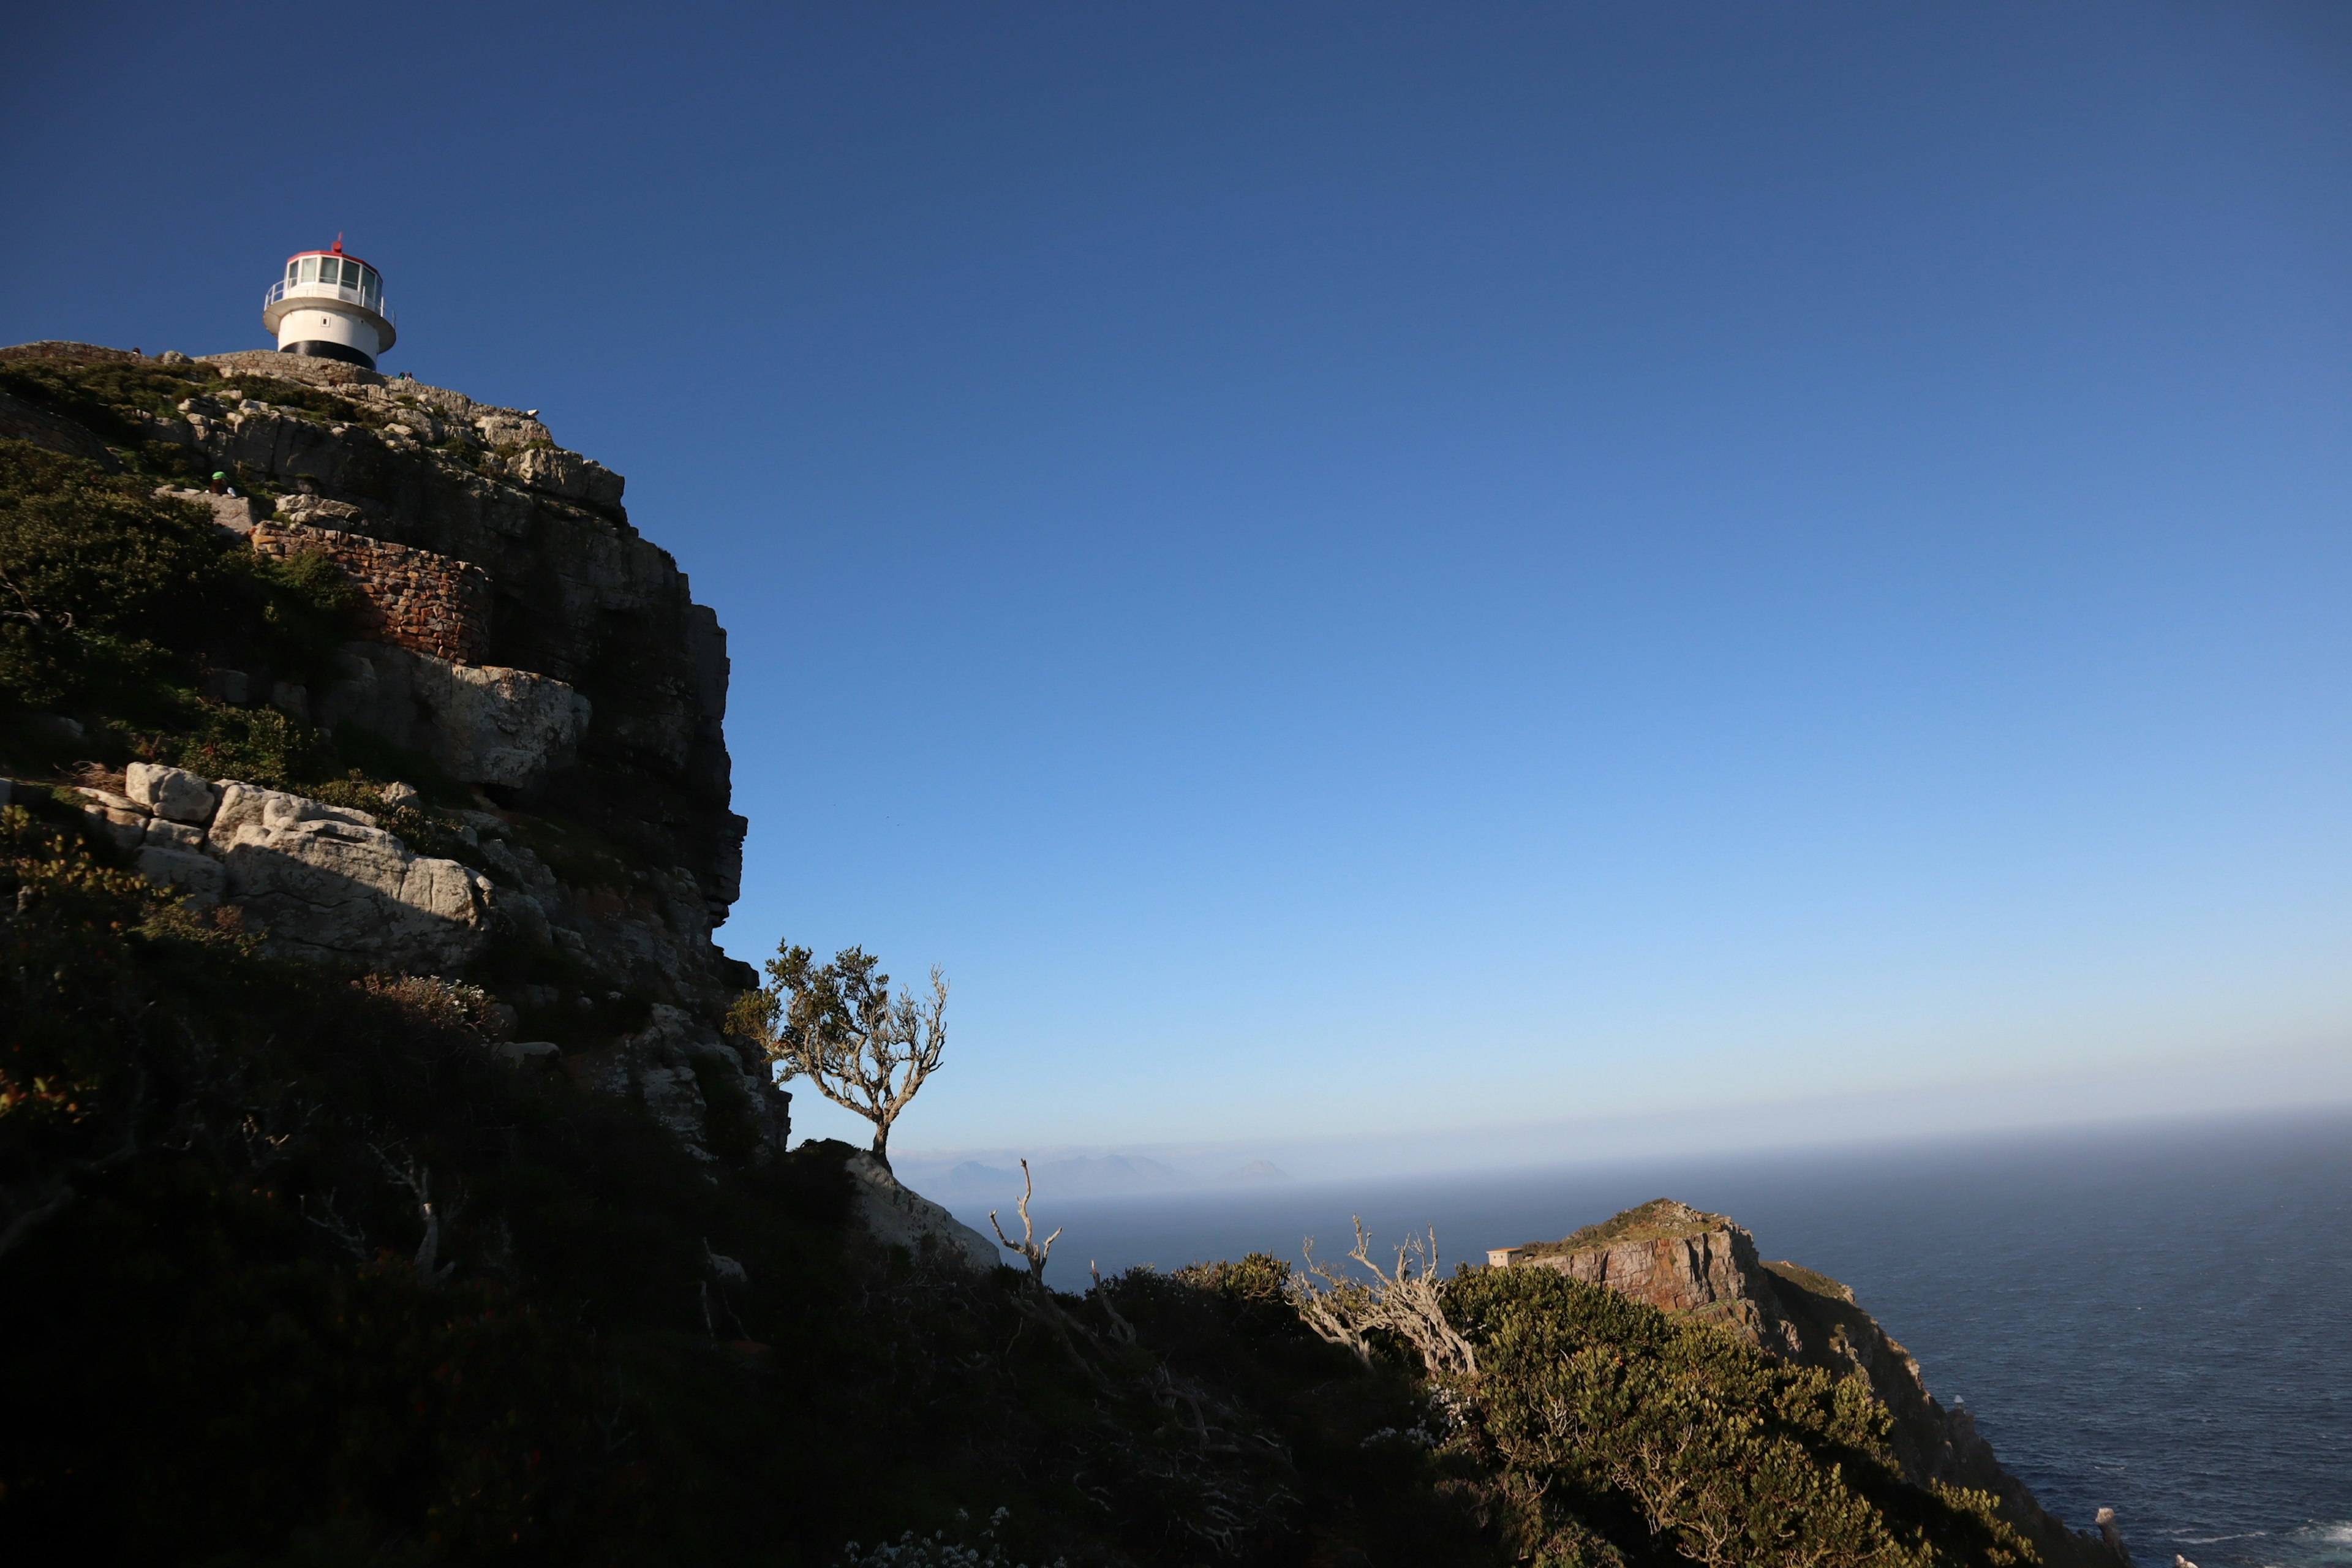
(538, 702)
(1683, 1260)
(574, 593)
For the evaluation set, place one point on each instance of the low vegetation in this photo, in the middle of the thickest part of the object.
(1660, 1219)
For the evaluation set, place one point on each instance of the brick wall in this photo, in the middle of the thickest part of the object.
(416, 599)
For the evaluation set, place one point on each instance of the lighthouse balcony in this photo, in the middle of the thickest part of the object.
(283, 296)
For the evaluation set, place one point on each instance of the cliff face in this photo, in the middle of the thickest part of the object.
(512, 634)
(1683, 1260)
(575, 593)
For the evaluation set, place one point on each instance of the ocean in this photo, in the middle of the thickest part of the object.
(2155, 1319)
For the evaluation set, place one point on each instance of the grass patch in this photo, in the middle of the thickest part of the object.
(1660, 1219)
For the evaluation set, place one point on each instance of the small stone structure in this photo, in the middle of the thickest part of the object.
(416, 599)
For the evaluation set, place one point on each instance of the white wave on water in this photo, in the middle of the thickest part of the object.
(2318, 1545)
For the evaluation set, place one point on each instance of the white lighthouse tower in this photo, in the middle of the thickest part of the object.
(331, 306)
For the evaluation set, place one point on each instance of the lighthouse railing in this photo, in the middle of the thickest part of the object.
(282, 289)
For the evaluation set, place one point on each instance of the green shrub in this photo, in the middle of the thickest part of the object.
(97, 395)
(1618, 1416)
(115, 598)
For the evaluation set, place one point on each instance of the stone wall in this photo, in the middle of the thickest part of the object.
(416, 599)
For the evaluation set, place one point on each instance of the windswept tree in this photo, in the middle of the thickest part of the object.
(841, 1027)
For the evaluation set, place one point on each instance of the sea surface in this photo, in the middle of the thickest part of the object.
(2158, 1319)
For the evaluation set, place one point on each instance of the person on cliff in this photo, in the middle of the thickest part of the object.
(221, 485)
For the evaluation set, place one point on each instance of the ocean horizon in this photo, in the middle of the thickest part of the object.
(2155, 1318)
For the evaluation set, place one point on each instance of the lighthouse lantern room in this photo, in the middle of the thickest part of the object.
(331, 306)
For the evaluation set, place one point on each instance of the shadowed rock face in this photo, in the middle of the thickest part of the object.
(1687, 1261)
(676, 1069)
(483, 724)
(896, 1215)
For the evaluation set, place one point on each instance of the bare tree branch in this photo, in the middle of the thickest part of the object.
(1405, 1300)
(1120, 1329)
(346, 1234)
(1028, 1246)
(419, 1182)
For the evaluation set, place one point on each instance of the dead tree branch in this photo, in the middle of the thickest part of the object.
(419, 1182)
(1028, 1246)
(344, 1233)
(1120, 1329)
(1405, 1301)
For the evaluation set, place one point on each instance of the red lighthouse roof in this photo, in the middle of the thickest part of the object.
(335, 249)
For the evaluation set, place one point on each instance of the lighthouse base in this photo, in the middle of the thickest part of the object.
(319, 348)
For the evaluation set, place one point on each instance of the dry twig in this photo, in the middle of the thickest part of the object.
(1405, 1301)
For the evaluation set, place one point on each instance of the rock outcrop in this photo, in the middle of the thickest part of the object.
(575, 595)
(21, 421)
(896, 1215)
(318, 880)
(483, 724)
(324, 881)
(1689, 1262)
(713, 1096)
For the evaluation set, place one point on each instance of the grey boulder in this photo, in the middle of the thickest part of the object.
(172, 794)
(201, 877)
(482, 724)
(118, 819)
(326, 882)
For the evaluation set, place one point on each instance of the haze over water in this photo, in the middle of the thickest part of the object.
(2155, 1318)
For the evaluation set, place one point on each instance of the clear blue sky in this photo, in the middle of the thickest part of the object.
(1393, 569)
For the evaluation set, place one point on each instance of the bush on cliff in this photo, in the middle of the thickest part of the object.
(114, 599)
(1604, 1417)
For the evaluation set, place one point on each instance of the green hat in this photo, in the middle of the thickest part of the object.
(220, 473)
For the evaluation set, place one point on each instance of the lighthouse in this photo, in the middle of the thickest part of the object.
(330, 306)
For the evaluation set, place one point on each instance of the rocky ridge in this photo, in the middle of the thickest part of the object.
(1706, 1266)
